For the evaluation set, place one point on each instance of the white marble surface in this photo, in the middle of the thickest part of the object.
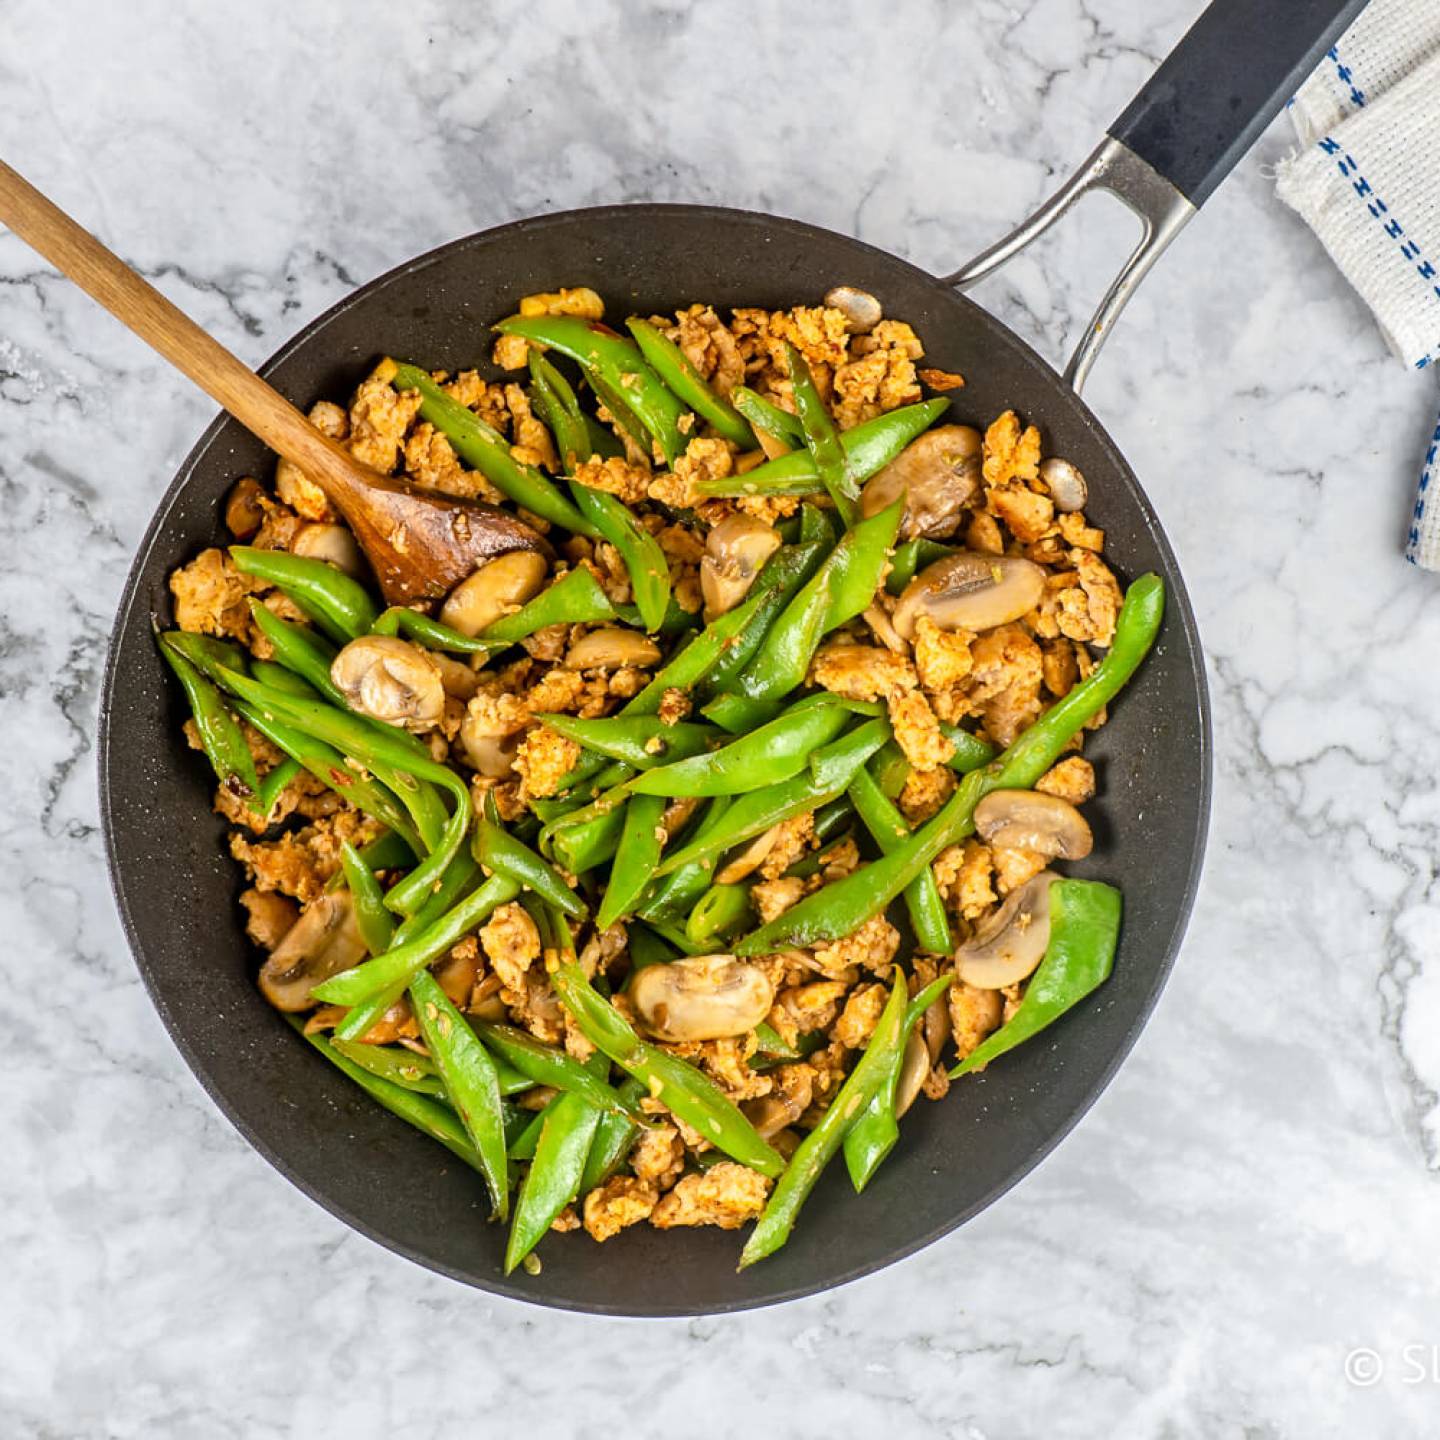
(1257, 1192)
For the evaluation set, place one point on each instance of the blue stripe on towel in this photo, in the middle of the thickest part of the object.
(1427, 474)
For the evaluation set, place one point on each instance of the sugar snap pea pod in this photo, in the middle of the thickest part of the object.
(680, 1087)
(841, 907)
(673, 367)
(597, 440)
(590, 842)
(545, 1065)
(618, 367)
(615, 1135)
(404, 962)
(221, 737)
(393, 1063)
(832, 767)
(722, 911)
(424, 1113)
(912, 557)
(576, 598)
(483, 448)
(553, 1180)
(1084, 930)
(643, 741)
(822, 438)
(522, 1145)
(922, 896)
(471, 1080)
(315, 584)
(869, 447)
(751, 815)
(739, 714)
(843, 587)
(641, 552)
(873, 1135)
(556, 404)
(764, 415)
(636, 855)
(375, 922)
(766, 756)
(496, 849)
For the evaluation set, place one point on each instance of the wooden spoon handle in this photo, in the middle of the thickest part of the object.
(147, 313)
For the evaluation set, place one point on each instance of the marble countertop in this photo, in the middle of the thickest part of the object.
(1256, 1194)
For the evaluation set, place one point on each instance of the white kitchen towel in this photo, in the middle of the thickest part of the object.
(1368, 183)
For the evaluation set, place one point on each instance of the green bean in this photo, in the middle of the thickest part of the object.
(522, 1146)
(868, 448)
(545, 1065)
(299, 649)
(376, 924)
(739, 714)
(912, 557)
(673, 367)
(764, 415)
(722, 911)
(1084, 930)
(823, 439)
(403, 962)
(390, 1062)
(496, 849)
(221, 737)
(471, 1080)
(681, 1088)
(267, 672)
(553, 1181)
(618, 366)
(388, 851)
(590, 841)
(615, 1136)
(832, 766)
(643, 741)
(674, 893)
(641, 552)
(922, 896)
(555, 401)
(483, 448)
(344, 603)
(636, 854)
(843, 906)
(647, 948)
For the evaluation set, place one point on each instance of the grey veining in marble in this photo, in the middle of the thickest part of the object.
(1257, 1192)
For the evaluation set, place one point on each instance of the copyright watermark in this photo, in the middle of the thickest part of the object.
(1405, 1365)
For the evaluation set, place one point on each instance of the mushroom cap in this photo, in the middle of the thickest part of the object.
(392, 680)
(705, 997)
(333, 544)
(610, 647)
(1012, 942)
(970, 591)
(494, 591)
(1032, 820)
(734, 552)
(860, 308)
(937, 475)
(324, 941)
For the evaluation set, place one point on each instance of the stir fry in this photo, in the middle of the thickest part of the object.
(675, 856)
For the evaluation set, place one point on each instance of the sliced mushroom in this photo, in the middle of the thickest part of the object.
(1008, 947)
(609, 647)
(785, 1104)
(490, 750)
(860, 308)
(707, 997)
(915, 1065)
(1030, 820)
(937, 475)
(748, 859)
(244, 508)
(333, 544)
(970, 591)
(736, 549)
(1066, 484)
(322, 942)
(493, 591)
(392, 680)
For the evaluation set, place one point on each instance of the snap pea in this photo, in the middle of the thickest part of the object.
(388, 851)
(873, 1135)
(641, 552)
(767, 416)
(912, 557)
(545, 1065)
(522, 1145)
(843, 587)
(739, 714)
(888, 828)
(471, 1080)
(403, 962)
(390, 1062)
(822, 439)
(868, 447)
(483, 448)
(274, 781)
(221, 737)
(1084, 930)
(673, 367)
(722, 911)
(766, 756)
(556, 404)
(267, 672)
(424, 1113)
(673, 894)
(843, 906)
(643, 741)
(615, 1136)
(833, 766)
(496, 849)
(576, 598)
(681, 1088)
(375, 922)
(591, 840)
(553, 1180)
(300, 649)
(647, 948)
(618, 366)
(343, 604)
(636, 854)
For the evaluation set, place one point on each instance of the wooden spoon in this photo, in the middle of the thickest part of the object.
(420, 543)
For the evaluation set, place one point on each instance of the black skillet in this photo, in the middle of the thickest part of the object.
(177, 889)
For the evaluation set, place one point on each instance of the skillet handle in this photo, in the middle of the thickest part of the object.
(1181, 135)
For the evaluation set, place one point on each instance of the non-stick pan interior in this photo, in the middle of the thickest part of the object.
(177, 887)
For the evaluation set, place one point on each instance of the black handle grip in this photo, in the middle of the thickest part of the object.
(1223, 84)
